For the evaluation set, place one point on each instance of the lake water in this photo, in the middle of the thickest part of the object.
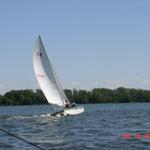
(100, 127)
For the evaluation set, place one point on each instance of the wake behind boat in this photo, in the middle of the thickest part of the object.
(50, 84)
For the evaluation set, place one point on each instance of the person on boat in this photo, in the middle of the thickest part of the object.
(72, 105)
(67, 104)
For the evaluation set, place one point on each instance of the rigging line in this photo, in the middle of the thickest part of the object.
(22, 139)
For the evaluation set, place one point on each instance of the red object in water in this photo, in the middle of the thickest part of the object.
(126, 136)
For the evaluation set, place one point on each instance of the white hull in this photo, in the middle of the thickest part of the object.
(73, 111)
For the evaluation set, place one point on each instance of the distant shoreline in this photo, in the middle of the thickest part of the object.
(94, 96)
(77, 103)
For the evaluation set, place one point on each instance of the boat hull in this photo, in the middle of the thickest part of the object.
(73, 111)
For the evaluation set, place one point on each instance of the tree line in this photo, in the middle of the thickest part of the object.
(96, 95)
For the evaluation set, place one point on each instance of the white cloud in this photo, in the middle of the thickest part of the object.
(138, 78)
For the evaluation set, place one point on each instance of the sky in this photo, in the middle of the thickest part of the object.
(91, 43)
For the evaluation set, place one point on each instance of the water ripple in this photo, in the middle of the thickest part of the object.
(99, 128)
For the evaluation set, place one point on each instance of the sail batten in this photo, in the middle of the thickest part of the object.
(46, 76)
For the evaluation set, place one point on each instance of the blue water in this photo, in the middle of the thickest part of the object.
(100, 127)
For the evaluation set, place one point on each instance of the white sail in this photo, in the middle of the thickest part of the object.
(46, 76)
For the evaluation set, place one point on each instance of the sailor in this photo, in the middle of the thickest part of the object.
(72, 105)
(67, 104)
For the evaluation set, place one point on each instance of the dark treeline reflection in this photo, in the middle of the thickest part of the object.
(97, 95)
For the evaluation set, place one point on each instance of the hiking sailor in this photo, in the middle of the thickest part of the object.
(67, 104)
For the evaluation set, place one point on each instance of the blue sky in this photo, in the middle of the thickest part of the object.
(91, 43)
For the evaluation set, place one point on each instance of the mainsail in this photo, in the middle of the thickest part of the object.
(46, 76)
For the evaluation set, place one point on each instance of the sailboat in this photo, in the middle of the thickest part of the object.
(49, 83)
